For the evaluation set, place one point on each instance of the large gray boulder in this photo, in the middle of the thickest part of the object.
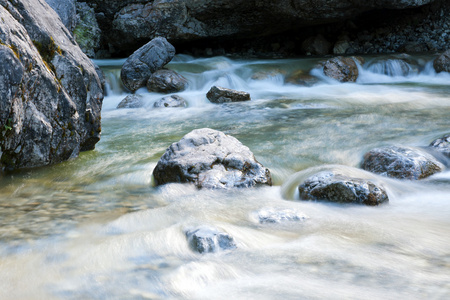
(66, 10)
(210, 159)
(339, 188)
(401, 162)
(50, 93)
(151, 57)
(442, 63)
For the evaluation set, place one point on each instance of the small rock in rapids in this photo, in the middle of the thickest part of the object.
(166, 81)
(131, 101)
(333, 187)
(221, 95)
(343, 69)
(206, 239)
(271, 215)
(170, 101)
(442, 63)
(442, 145)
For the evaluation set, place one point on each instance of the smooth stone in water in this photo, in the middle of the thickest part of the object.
(211, 159)
(271, 215)
(442, 145)
(401, 162)
(166, 81)
(170, 101)
(219, 94)
(131, 101)
(206, 240)
(339, 188)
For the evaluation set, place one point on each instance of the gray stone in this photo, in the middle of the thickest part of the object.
(208, 158)
(151, 57)
(170, 101)
(442, 63)
(87, 32)
(271, 215)
(66, 11)
(442, 145)
(343, 69)
(333, 187)
(206, 240)
(219, 94)
(401, 162)
(166, 81)
(51, 95)
(131, 101)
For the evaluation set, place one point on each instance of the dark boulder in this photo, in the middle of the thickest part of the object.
(206, 240)
(166, 81)
(333, 187)
(51, 95)
(219, 94)
(170, 101)
(210, 159)
(442, 145)
(343, 69)
(131, 101)
(316, 45)
(401, 162)
(442, 63)
(151, 57)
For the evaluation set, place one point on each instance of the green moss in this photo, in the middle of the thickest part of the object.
(48, 51)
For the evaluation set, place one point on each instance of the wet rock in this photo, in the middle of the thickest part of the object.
(271, 215)
(333, 187)
(401, 162)
(442, 145)
(392, 67)
(87, 33)
(316, 45)
(66, 10)
(166, 81)
(301, 78)
(171, 101)
(442, 63)
(131, 101)
(219, 94)
(206, 240)
(343, 69)
(210, 159)
(151, 57)
(263, 75)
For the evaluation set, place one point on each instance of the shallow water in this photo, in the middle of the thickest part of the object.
(96, 228)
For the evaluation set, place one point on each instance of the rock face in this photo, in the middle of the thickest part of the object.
(442, 63)
(206, 239)
(66, 11)
(51, 95)
(131, 101)
(219, 94)
(342, 189)
(128, 23)
(87, 33)
(210, 159)
(166, 81)
(442, 145)
(401, 162)
(343, 69)
(151, 57)
(171, 101)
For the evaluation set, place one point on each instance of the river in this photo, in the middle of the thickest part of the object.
(96, 227)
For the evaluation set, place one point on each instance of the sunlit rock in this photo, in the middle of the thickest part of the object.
(171, 101)
(401, 162)
(206, 239)
(219, 94)
(166, 81)
(210, 159)
(333, 187)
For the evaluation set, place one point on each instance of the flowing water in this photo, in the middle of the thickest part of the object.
(96, 228)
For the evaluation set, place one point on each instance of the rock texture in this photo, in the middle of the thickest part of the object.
(151, 57)
(170, 101)
(442, 145)
(401, 162)
(210, 159)
(343, 69)
(66, 10)
(271, 215)
(50, 93)
(206, 239)
(219, 94)
(166, 81)
(131, 101)
(87, 33)
(442, 63)
(333, 187)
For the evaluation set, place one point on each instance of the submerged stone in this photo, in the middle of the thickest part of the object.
(206, 240)
(271, 215)
(219, 94)
(339, 188)
(442, 145)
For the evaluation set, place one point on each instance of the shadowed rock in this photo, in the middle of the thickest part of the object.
(442, 63)
(209, 158)
(333, 187)
(166, 81)
(219, 94)
(206, 239)
(171, 101)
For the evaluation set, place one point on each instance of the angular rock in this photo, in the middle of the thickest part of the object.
(442, 63)
(51, 95)
(166, 81)
(131, 101)
(271, 215)
(67, 12)
(151, 57)
(87, 33)
(401, 162)
(210, 159)
(333, 187)
(343, 69)
(171, 101)
(206, 240)
(442, 145)
(316, 45)
(219, 94)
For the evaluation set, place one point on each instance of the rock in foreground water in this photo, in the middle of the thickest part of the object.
(401, 162)
(166, 81)
(170, 101)
(442, 63)
(206, 239)
(131, 101)
(343, 69)
(442, 145)
(333, 187)
(210, 159)
(151, 57)
(219, 94)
